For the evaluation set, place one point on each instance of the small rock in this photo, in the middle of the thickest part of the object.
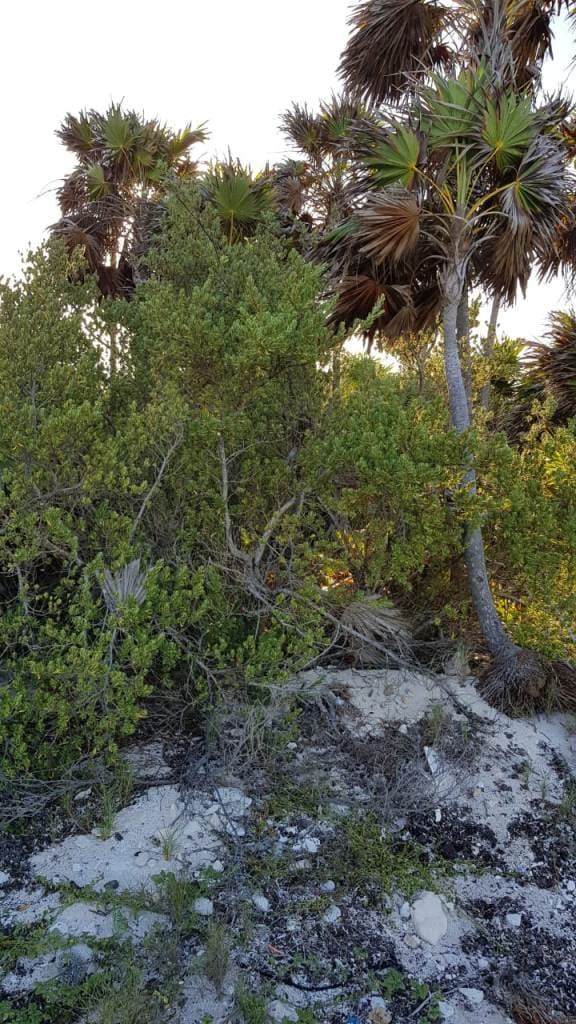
(380, 1015)
(404, 729)
(405, 911)
(412, 941)
(446, 1010)
(82, 794)
(571, 886)
(217, 866)
(513, 920)
(4, 878)
(429, 920)
(473, 996)
(280, 1012)
(328, 887)
(204, 907)
(483, 964)
(332, 915)
(310, 844)
(261, 903)
(291, 746)
(379, 1012)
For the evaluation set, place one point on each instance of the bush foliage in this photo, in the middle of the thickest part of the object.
(219, 461)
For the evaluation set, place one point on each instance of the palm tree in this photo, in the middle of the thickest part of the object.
(122, 164)
(473, 183)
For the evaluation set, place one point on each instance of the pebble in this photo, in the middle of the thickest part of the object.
(204, 907)
(513, 920)
(308, 845)
(332, 915)
(571, 886)
(279, 1012)
(473, 996)
(261, 903)
(379, 1012)
(4, 877)
(217, 866)
(404, 730)
(446, 1010)
(429, 920)
(328, 887)
(405, 911)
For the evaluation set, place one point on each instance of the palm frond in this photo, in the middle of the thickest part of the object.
(388, 225)
(390, 41)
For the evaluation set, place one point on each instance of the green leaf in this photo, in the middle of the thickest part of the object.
(396, 161)
(96, 180)
(508, 130)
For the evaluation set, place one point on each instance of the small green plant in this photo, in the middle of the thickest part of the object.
(216, 954)
(111, 797)
(176, 895)
(250, 1006)
(361, 854)
(567, 808)
(169, 843)
(392, 983)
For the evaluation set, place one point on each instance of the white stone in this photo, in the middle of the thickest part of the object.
(405, 911)
(446, 1010)
(513, 920)
(280, 1012)
(234, 801)
(204, 907)
(571, 886)
(74, 962)
(429, 920)
(328, 887)
(217, 866)
(473, 996)
(88, 919)
(310, 844)
(404, 729)
(4, 878)
(261, 903)
(379, 1013)
(332, 915)
(132, 861)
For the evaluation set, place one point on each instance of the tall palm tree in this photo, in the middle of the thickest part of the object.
(122, 164)
(473, 183)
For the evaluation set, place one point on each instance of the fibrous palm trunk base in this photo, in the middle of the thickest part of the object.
(520, 681)
(526, 1012)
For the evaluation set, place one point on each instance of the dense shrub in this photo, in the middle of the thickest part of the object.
(182, 525)
(220, 352)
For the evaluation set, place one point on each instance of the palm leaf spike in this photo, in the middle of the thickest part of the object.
(128, 582)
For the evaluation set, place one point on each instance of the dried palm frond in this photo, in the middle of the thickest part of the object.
(376, 632)
(391, 40)
(128, 582)
(388, 225)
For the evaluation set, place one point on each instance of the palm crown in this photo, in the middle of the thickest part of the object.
(122, 162)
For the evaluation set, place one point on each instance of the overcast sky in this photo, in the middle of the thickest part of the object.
(234, 65)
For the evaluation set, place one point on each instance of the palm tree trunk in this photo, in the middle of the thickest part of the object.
(463, 332)
(489, 349)
(499, 643)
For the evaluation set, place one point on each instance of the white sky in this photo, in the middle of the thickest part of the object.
(235, 65)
